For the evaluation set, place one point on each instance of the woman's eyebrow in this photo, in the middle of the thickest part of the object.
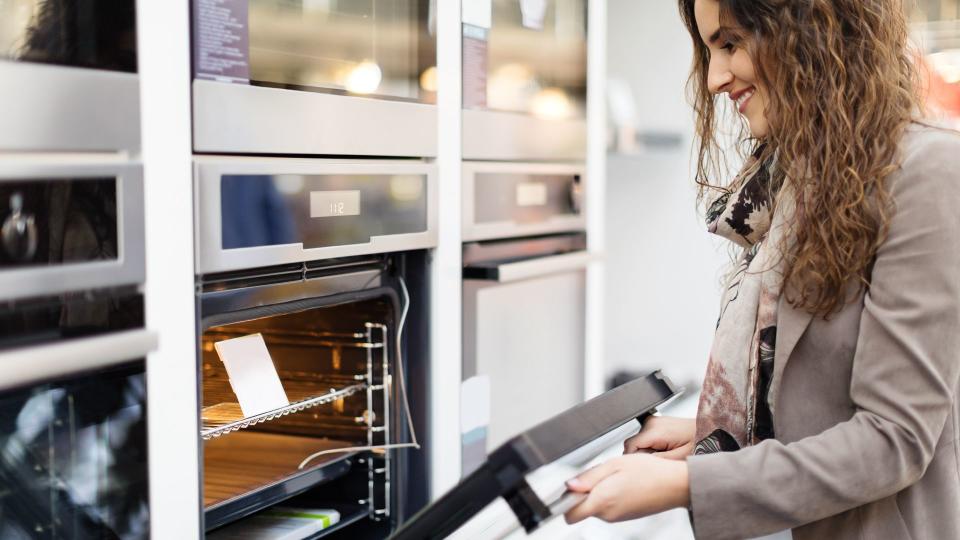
(722, 31)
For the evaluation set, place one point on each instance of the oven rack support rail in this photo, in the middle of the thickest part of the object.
(378, 467)
(214, 431)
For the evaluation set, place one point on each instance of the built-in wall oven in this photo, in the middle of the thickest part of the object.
(73, 409)
(70, 75)
(324, 263)
(524, 289)
(524, 79)
(318, 77)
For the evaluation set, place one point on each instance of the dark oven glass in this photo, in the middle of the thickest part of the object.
(97, 34)
(384, 48)
(53, 221)
(73, 457)
(71, 315)
(319, 210)
(523, 198)
(527, 56)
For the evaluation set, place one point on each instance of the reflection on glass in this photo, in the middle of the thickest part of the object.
(536, 54)
(97, 34)
(319, 210)
(377, 47)
(58, 221)
(73, 459)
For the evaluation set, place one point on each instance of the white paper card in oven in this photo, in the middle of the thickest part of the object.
(253, 376)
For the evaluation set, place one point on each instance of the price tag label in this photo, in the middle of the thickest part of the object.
(334, 203)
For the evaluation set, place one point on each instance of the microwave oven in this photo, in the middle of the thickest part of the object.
(70, 76)
(524, 79)
(315, 77)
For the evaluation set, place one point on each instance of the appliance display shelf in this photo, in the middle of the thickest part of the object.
(226, 417)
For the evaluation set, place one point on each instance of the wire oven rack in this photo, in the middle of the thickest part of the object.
(224, 418)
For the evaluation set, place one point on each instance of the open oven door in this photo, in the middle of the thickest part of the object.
(528, 471)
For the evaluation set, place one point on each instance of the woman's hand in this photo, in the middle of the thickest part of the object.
(630, 487)
(666, 436)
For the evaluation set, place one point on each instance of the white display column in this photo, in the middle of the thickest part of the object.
(446, 267)
(164, 65)
(594, 371)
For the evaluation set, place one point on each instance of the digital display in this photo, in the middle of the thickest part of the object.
(334, 203)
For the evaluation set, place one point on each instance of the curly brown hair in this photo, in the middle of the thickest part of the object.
(841, 89)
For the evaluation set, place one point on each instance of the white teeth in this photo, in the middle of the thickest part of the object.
(744, 97)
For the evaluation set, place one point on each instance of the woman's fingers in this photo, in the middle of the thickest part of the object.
(588, 507)
(649, 438)
(587, 480)
(680, 452)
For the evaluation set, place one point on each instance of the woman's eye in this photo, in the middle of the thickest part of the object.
(729, 46)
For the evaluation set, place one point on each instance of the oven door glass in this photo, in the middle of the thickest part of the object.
(56, 221)
(383, 48)
(73, 457)
(527, 56)
(99, 34)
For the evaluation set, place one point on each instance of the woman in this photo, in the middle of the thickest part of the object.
(829, 404)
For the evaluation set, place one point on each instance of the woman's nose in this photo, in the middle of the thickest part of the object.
(718, 77)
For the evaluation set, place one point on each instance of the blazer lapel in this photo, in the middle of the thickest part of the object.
(791, 324)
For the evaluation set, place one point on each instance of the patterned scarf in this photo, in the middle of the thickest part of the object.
(733, 410)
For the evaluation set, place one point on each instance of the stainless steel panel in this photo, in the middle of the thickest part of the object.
(528, 337)
(238, 118)
(28, 365)
(543, 266)
(210, 255)
(473, 230)
(56, 108)
(127, 269)
(493, 135)
(217, 302)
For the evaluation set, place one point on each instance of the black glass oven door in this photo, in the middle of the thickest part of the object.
(73, 439)
(99, 34)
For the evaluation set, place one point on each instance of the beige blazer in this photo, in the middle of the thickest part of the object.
(864, 404)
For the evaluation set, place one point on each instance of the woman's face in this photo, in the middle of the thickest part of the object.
(731, 68)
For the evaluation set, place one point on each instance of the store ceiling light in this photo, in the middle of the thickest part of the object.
(364, 78)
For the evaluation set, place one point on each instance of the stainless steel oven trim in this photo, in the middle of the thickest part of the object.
(58, 108)
(497, 135)
(128, 269)
(473, 231)
(215, 303)
(29, 365)
(238, 118)
(211, 257)
(542, 266)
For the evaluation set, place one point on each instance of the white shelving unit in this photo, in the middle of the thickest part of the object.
(170, 295)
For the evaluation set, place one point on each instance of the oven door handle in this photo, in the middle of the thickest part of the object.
(531, 268)
(28, 365)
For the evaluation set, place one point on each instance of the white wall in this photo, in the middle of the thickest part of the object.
(663, 268)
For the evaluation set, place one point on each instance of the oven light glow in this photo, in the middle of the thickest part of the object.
(428, 79)
(551, 103)
(364, 78)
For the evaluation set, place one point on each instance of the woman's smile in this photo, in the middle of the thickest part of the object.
(742, 98)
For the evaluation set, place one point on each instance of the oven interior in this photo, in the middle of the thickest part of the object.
(336, 363)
